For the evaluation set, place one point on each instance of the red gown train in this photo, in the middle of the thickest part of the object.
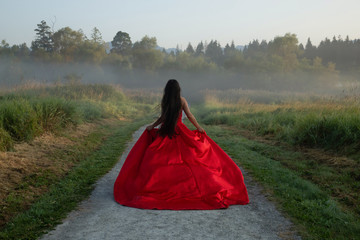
(188, 171)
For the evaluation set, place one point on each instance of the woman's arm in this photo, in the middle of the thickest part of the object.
(189, 115)
(156, 123)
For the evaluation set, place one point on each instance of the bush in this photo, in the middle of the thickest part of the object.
(55, 113)
(334, 131)
(19, 119)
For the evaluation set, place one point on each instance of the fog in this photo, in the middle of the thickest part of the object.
(13, 74)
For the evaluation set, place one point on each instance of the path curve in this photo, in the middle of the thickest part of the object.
(100, 217)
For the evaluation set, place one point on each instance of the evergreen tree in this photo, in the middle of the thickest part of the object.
(230, 50)
(199, 49)
(44, 39)
(310, 50)
(301, 47)
(227, 50)
(190, 49)
(214, 52)
(232, 47)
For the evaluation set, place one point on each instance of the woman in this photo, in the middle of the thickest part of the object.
(175, 168)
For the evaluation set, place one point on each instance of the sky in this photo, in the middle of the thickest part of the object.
(179, 22)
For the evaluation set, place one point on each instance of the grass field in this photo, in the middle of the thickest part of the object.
(310, 205)
(304, 149)
(56, 141)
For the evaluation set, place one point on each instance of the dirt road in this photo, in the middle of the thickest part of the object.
(100, 217)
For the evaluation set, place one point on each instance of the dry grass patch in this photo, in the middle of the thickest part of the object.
(26, 172)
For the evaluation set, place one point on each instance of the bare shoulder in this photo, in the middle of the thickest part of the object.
(183, 101)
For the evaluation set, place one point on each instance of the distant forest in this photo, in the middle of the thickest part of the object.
(258, 63)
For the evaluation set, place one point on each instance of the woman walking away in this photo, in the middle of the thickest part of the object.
(176, 168)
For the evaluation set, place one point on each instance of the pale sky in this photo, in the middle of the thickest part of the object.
(175, 22)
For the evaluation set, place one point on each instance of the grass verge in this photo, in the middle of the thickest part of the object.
(315, 213)
(64, 195)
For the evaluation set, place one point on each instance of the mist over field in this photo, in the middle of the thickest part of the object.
(20, 73)
(282, 64)
(192, 84)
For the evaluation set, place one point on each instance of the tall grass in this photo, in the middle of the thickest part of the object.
(19, 119)
(27, 112)
(96, 92)
(331, 123)
(23, 119)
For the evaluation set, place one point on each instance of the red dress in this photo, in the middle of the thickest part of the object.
(188, 171)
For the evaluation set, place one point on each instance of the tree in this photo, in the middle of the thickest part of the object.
(44, 39)
(232, 47)
(253, 49)
(20, 50)
(234, 61)
(214, 51)
(145, 55)
(4, 48)
(96, 36)
(121, 43)
(190, 49)
(230, 50)
(4, 44)
(227, 50)
(287, 49)
(301, 47)
(67, 42)
(90, 51)
(146, 43)
(310, 50)
(199, 49)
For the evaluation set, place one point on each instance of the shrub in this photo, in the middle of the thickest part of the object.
(19, 119)
(55, 113)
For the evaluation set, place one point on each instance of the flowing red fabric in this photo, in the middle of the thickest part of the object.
(188, 171)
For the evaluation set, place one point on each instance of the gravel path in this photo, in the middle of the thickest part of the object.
(100, 217)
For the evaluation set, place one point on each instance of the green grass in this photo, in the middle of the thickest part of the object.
(63, 196)
(96, 92)
(27, 113)
(325, 125)
(319, 192)
(313, 210)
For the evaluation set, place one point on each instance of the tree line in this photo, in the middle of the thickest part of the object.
(283, 53)
(281, 56)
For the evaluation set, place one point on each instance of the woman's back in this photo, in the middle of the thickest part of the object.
(182, 172)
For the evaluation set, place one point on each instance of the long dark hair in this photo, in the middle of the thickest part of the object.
(170, 108)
